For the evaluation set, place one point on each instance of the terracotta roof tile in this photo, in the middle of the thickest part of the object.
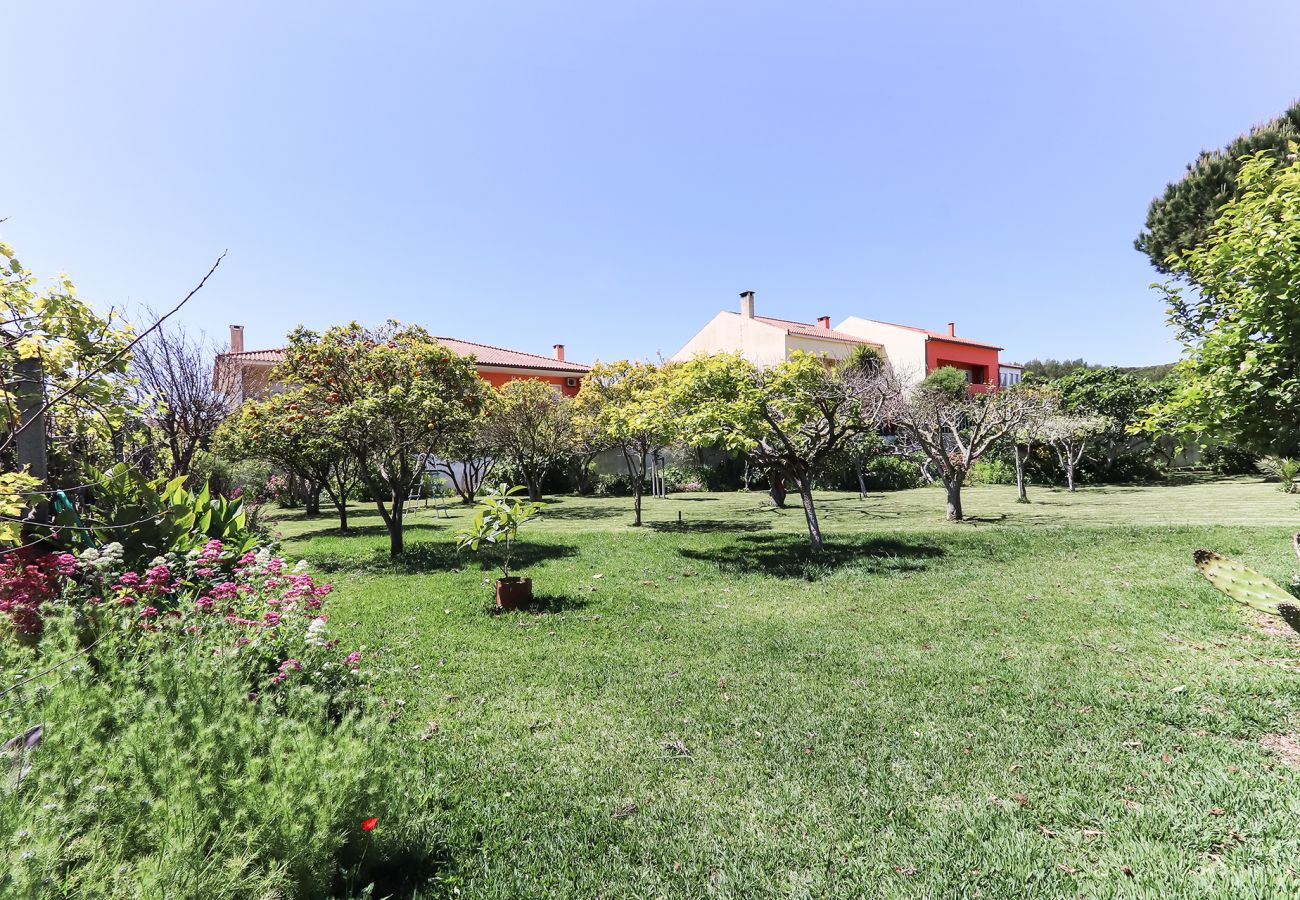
(484, 354)
(815, 331)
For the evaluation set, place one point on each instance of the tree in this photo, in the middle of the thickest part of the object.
(1052, 369)
(173, 376)
(63, 395)
(1070, 436)
(397, 395)
(1239, 378)
(1030, 431)
(529, 426)
(622, 403)
(791, 418)
(467, 460)
(1119, 397)
(1183, 217)
(298, 432)
(952, 427)
(589, 441)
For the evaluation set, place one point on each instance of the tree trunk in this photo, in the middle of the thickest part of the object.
(776, 488)
(1069, 474)
(1021, 495)
(953, 486)
(343, 515)
(534, 484)
(312, 501)
(862, 481)
(810, 513)
(395, 546)
(636, 501)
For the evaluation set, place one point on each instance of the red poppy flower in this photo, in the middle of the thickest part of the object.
(369, 824)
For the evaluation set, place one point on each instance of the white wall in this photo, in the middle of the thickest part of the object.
(904, 348)
(729, 332)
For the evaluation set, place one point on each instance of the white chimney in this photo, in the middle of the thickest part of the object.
(952, 329)
(236, 338)
(747, 304)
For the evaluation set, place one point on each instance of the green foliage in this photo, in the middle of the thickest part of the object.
(794, 418)
(621, 404)
(1229, 459)
(529, 427)
(991, 470)
(1245, 585)
(864, 358)
(1183, 217)
(1286, 471)
(1052, 369)
(613, 484)
(152, 517)
(390, 395)
(947, 383)
(1239, 379)
(893, 473)
(157, 774)
(498, 516)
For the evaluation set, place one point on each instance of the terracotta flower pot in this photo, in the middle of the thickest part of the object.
(514, 592)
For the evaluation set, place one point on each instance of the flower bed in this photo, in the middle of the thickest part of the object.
(192, 728)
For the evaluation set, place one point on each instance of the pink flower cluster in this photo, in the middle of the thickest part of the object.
(27, 581)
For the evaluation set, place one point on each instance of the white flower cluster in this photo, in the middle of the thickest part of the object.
(317, 633)
(107, 558)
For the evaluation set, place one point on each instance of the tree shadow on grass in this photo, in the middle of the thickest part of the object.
(439, 556)
(687, 526)
(547, 603)
(556, 509)
(790, 556)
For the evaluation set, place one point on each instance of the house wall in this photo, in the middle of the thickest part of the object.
(981, 362)
(729, 332)
(498, 377)
(836, 350)
(904, 348)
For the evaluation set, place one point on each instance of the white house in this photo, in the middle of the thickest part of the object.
(766, 341)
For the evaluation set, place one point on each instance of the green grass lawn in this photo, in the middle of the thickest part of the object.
(1044, 701)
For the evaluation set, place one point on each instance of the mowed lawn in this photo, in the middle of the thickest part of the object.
(1044, 701)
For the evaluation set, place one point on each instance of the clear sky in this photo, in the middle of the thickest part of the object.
(609, 174)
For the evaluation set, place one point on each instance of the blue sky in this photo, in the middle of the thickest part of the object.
(609, 174)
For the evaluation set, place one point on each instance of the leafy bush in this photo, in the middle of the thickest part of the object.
(893, 473)
(200, 735)
(992, 470)
(250, 479)
(686, 479)
(1229, 459)
(615, 485)
(151, 517)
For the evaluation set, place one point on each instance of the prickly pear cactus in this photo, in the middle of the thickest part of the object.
(1247, 586)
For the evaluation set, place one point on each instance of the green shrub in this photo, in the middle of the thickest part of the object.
(893, 473)
(159, 777)
(1229, 459)
(991, 470)
(687, 478)
(614, 485)
(218, 747)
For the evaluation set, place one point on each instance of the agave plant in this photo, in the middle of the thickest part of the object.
(1247, 586)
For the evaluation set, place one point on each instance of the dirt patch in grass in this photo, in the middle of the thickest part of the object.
(1273, 625)
(1285, 747)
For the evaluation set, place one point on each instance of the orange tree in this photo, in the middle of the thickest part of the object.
(396, 397)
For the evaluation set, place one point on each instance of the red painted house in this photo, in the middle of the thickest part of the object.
(916, 352)
(247, 373)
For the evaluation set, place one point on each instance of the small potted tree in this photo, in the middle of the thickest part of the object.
(496, 522)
